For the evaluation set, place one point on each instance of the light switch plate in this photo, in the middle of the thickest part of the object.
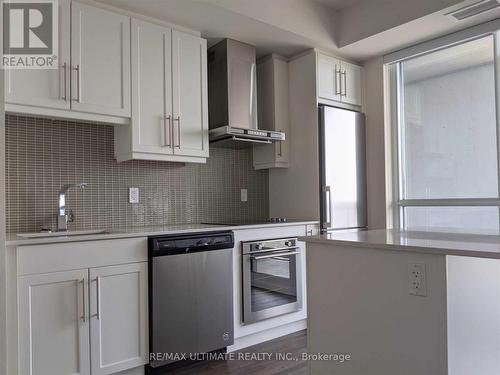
(133, 195)
(244, 195)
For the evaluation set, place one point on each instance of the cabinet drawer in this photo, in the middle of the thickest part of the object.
(35, 259)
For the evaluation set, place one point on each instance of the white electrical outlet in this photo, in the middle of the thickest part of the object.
(244, 195)
(417, 283)
(133, 195)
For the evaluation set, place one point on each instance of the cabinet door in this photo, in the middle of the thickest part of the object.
(44, 87)
(328, 78)
(118, 322)
(152, 88)
(53, 323)
(190, 101)
(351, 84)
(100, 58)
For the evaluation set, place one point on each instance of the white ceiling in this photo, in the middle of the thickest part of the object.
(353, 29)
(341, 4)
(285, 27)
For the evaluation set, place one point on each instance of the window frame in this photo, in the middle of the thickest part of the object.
(394, 92)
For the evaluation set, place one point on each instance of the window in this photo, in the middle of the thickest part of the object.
(446, 141)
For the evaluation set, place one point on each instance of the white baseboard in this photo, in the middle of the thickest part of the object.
(269, 334)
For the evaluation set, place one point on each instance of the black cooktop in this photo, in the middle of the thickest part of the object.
(235, 223)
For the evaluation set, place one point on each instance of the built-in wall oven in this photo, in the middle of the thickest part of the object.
(272, 278)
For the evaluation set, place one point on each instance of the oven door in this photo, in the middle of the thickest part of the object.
(272, 281)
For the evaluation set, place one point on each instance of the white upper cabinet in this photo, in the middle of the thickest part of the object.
(329, 78)
(273, 112)
(152, 88)
(47, 88)
(190, 100)
(351, 83)
(54, 323)
(92, 81)
(118, 317)
(169, 97)
(338, 80)
(100, 61)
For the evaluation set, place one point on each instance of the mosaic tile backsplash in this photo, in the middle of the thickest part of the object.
(44, 154)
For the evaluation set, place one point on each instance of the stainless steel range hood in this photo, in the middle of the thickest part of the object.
(232, 95)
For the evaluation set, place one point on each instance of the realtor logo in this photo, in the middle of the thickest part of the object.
(30, 30)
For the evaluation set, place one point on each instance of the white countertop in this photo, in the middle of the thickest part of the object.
(481, 246)
(145, 231)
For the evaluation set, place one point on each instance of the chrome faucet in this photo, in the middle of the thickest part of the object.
(65, 216)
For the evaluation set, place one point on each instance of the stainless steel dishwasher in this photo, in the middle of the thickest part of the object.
(190, 295)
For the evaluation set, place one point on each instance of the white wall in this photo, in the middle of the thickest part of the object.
(473, 287)
(374, 110)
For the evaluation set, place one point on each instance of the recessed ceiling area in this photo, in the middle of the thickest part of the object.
(352, 29)
(285, 27)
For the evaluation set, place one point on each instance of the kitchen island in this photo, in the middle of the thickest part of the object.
(403, 302)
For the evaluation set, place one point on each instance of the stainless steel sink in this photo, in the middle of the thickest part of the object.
(63, 234)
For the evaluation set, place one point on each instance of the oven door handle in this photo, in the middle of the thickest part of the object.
(274, 255)
(273, 249)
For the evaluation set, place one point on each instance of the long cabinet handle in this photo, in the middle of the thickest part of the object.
(167, 130)
(280, 149)
(65, 82)
(84, 303)
(78, 73)
(338, 83)
(344, 73)
(178, 131)
(328, 194)
(98, 294)
(98, 297)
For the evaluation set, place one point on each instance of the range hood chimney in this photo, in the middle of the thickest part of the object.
(232, 95)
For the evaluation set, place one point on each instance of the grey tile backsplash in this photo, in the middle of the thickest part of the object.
(44, 154)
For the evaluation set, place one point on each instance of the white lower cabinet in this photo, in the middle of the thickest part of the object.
(118, 317)
(89, 321)
(53, 323)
